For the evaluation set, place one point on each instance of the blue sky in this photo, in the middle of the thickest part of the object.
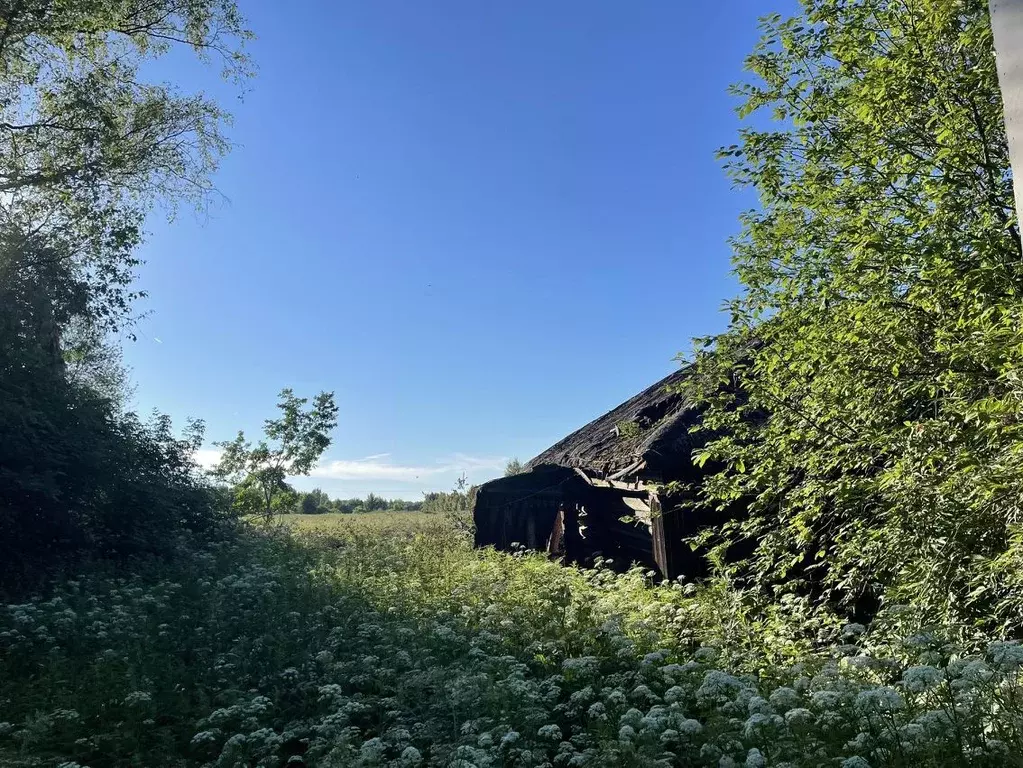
(480, 224)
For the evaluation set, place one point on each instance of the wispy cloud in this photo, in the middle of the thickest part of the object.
(208, 457)
(380, 467)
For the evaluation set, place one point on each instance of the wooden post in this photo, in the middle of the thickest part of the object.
(1007, 25)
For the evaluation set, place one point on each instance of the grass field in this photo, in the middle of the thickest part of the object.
(397, 523)
(386, 640)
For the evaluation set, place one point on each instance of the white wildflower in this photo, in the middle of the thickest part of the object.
(760, 724)
(616, 698)
(205, 737)
(706, 654)
(826, 699)
(970, 673)
(855, 762)
(719, 686)
(674, 694)
(582, 664)
(643, 692)
(626, 733)
(921, 678)
(799, 716)
(758, 704)
(137, 698)
(691, 727)
(936, 721)
(1006, 656)
(549, 732)
(597, 711)
(411, 755)
(632, 717)
(784, 698)
(853, 630)
(754, 759)
(509, 738)
(881, 699)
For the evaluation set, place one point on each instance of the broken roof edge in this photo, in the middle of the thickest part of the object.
(608, 445)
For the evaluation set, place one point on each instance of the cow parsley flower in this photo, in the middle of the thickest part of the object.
(799, 716)
(691, 727)
(1006, 656)
(137, 698)
(881, 699)
(755, 759)
(674, 694)
(760, 724)
(550, 732)
(758, 704)
(921, 678)
(784, 698)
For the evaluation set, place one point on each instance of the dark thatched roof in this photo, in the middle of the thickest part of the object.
(652, 426)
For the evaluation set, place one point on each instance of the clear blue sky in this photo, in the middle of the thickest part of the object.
(480, 224)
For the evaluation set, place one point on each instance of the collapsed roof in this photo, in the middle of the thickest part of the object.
(651, 430)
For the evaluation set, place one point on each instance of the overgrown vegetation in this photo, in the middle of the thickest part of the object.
(401, 647)
(875, 430)
(870, 419)
(87, 146)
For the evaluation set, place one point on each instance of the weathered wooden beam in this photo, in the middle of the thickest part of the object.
(636, 467)
(1007, 25)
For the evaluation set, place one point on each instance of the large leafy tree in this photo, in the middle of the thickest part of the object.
(878, 341)
(292, 445)
(87, 143)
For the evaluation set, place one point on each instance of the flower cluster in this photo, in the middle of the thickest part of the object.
(422, 652)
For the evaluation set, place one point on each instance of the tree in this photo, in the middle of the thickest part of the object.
(513, 467)
(87, 144)
(878, 343)
(316, 502)
(291, 446)
(87, 147)
(374, 503)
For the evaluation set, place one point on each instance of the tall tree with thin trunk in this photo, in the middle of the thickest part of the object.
(291, 446)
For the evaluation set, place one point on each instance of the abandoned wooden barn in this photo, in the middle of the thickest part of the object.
(594, 493)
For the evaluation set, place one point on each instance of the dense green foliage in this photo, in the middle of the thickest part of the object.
(292, 444)
(265, 652)
(87, 145)
(870, 421)
(316, 502)
(877, 430)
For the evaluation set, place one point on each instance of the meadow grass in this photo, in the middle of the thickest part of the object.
(388, 523)
(386, 640)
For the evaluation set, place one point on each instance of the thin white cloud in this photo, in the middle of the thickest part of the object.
(207, 458)
(379, 467)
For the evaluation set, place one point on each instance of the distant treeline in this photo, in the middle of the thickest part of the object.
(317, 502)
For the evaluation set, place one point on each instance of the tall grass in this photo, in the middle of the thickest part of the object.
(386, 640)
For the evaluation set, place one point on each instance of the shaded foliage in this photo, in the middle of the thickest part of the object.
(87, 145)
(877, 430)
